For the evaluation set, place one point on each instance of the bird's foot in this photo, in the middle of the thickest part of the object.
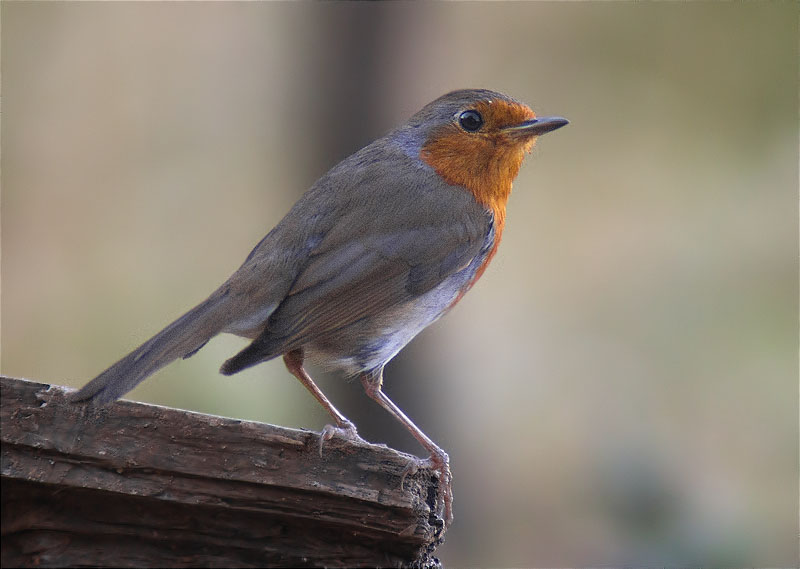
(440, 464)
(346, 431)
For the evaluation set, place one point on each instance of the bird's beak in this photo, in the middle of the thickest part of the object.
(537, 126)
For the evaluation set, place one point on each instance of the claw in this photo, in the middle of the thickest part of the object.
(347, 431)
(440, 465)
(411, 469)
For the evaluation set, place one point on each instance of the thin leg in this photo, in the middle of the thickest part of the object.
(294, 363)
(438, 460)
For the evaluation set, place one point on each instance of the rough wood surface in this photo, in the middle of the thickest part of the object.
(131, 484)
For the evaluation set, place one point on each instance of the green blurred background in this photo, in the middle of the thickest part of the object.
(622, 385)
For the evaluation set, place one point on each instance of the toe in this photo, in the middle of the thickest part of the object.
(347, 432)
(439, 463)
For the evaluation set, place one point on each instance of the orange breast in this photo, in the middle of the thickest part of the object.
(485, 163)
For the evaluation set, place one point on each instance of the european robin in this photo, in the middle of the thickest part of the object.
(377, 249)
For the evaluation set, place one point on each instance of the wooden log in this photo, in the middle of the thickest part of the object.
(130, 484)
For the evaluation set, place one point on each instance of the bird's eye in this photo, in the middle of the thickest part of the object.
(470, 120)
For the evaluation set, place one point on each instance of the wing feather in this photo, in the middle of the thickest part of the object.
(376, 244)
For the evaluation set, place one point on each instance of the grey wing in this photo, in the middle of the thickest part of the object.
(363, 267)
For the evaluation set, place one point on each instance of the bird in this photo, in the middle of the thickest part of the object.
(377, 249)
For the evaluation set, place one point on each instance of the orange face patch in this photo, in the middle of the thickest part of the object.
(486, 161)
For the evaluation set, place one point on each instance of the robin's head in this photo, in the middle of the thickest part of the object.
(477, 139)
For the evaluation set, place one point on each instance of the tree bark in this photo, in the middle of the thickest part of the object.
(130, 484)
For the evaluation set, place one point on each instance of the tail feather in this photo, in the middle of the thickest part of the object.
(180, 339)
(259, 350)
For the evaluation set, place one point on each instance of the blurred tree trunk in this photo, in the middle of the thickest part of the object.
(347, 99)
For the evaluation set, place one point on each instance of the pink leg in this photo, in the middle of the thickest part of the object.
(294, 363)
(438, 460)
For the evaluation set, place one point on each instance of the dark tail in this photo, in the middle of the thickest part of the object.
(261, 349)
(180, 339)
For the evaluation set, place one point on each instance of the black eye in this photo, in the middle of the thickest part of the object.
(470, 120)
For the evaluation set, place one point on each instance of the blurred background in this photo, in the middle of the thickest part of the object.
(621, 387)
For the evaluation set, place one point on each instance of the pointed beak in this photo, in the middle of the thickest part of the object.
(536, 127)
